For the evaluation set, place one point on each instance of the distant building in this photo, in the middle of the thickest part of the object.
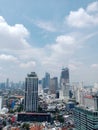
(43, 83)
(65, 75)
(7, 83)
(46, 81)
(78, 92)
(64, 82)
(89, 101)
(57, 94)
(53, 85)
(70, 106)
(95, 88)
(2, 86)
(31, 93)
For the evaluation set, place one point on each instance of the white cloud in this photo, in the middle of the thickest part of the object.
(1, 68)
(65, 44)
(28, 64)
(59, 52)
(74, 65)
(13, 37)
(52, 54)
(65, 39)
(93, 7)
(4, 57)
(45, 25)
(49, 56)
(94, 65)
(83, 17)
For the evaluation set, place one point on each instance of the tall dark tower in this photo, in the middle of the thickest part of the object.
(64, 82)
(65, 75)
(31, 93)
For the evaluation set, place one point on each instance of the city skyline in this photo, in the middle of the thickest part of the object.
(47, 36)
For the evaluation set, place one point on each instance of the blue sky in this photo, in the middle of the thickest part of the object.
(46, 35)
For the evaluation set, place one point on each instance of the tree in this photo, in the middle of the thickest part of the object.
(60, 118)
(40, 109)
(20, 108)
(26, 126)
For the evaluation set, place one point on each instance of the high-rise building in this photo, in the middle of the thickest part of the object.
(53, 85)
(65, 75)
(31, 93)
(43, 83)
(64, 82)
(47, 80)
(86, 117)
(7, 83)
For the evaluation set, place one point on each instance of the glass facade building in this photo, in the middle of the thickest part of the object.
(85, 119)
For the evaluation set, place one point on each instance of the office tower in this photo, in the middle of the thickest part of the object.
(65, 75)
(7, 83)
(64, 82)
(31, 92)
(86, 118)
(53, 85)
(47, 80)
(43, 83)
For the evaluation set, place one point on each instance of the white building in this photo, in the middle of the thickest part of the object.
(89, 101)
(95, 88)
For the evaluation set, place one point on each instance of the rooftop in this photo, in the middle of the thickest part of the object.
(33, 74)
(84, 109)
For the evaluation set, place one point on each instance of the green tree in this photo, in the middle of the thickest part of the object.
(60, 118)
(20, 108)
(26, 126)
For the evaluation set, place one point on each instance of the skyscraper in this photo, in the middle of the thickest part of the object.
(46, 81)
(65, 75)
(7, 83)
(53, 85)
(64, 82)
(31, 93)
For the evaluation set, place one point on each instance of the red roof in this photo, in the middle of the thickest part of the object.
(88, 96)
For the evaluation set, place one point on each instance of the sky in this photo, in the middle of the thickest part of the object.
(48, 35)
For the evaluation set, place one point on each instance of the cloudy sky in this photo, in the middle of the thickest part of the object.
(46, 35)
